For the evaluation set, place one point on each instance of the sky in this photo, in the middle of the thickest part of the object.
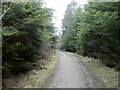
(59, 7)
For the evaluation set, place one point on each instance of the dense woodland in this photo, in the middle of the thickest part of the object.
(28, 36)
(93, 31)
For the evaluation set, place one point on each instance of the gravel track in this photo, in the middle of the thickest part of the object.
(71, 73)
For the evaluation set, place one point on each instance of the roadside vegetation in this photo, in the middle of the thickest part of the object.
(107, 76)
(37, 78)
(93, 33)
(28, 37)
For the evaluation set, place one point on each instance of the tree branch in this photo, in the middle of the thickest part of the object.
(5, 11)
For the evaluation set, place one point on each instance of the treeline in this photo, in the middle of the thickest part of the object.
(28, 36)
(93, 31)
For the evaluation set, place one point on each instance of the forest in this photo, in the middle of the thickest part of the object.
(28, 36)
(93, 31)
(29, 40)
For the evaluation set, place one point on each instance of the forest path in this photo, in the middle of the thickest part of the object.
(71, 73)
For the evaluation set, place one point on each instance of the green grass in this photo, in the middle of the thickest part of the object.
(108, 76)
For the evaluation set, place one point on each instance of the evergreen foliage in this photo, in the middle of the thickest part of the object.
(95, 32)
(27, 31)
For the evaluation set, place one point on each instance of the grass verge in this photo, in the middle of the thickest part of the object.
(35, 78)
(108, 76)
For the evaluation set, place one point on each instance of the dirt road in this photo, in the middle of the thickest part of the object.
(71, 73)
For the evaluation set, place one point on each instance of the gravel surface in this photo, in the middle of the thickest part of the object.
(71, 73)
